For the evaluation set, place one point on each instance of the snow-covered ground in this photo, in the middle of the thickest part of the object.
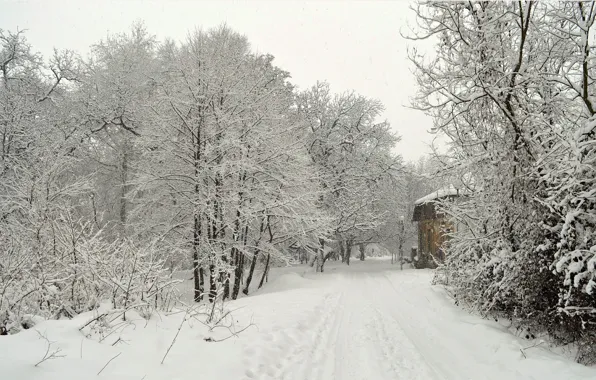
(366, 321)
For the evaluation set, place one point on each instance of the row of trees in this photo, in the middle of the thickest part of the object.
(150, 155)
(512, 86)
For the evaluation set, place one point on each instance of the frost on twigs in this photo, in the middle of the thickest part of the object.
(214, 316)
(519, 115)
(218, 319)
(51, 352)
(129, 276)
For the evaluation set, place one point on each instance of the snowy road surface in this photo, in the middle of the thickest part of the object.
(357, 335)
(367, 321)
(375, 323)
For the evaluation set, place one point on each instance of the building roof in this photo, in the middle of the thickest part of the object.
(441, 193)
(424, 208)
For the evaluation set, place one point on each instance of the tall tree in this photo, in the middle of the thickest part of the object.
(353, 152)
(517, 114)
(116, 93)
(40, 192)
(226, 158)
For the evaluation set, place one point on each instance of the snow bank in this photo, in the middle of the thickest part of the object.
(135, 351)
(285, 282)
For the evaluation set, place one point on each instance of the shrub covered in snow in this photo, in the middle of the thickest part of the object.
(513, 93)
(570, 203)
(78, 270)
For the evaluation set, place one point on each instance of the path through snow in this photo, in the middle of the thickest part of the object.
(367, 321)
(376, 322)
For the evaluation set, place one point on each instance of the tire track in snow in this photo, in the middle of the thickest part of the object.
(396, 355)
(357, 355)
(317, 364)
(431, 346)
(376, 327)
(289, 352)
(351, 336)
(354, 342)
(403, 359)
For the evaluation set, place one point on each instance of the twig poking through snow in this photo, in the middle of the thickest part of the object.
(522, 350)
(109, 361)
(232, 334)
(175, 336)
(49, 355)
(93, 320)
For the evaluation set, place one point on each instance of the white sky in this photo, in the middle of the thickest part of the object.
(354, 45)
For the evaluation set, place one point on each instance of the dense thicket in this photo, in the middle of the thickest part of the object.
(149, 156)
(512, 86)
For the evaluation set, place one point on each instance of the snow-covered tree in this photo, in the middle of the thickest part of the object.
(511, 87)
(352, 150)
(115, 97)
(55, 259)
(227, 173)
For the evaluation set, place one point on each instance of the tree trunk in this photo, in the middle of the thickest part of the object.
(211, 231)
(253, 264)
(212, 283)
(361, 248)
(124, 190)
(197, 272)
(320, 256)
(201, 282)
(224, 278)
(265, 271)
(348, 250)
(218, 235)
(342, 251)
(238, 272)
(401, 256)
(198, 294)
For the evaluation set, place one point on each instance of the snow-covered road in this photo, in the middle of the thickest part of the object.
(367, 321)
(359, 337)
(375, 322)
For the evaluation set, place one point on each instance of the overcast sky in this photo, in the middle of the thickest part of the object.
(352, 45)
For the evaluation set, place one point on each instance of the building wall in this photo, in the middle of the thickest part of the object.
(431, 235)
(432, 227)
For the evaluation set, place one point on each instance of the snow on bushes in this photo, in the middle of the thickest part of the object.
(82, 270)
(514, 95)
